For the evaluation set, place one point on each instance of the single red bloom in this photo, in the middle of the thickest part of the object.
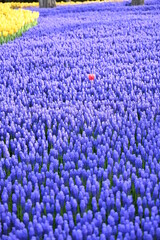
(91, 77)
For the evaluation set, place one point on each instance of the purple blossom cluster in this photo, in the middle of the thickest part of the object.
(80, 159)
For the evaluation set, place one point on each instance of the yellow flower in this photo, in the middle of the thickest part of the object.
(11, 31)
(5, 33)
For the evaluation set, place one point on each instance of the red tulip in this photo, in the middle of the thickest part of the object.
(91, 77)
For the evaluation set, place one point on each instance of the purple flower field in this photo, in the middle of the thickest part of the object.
(80, 159)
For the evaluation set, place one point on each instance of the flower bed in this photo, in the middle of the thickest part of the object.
(14, 22)
(85, 2)
(80, 159)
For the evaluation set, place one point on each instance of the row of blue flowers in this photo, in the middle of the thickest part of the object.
(80, 159)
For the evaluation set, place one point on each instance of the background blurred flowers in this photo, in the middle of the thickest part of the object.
(14, 22)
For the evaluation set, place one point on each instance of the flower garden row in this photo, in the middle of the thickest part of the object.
(80, 159)
(13, 22)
